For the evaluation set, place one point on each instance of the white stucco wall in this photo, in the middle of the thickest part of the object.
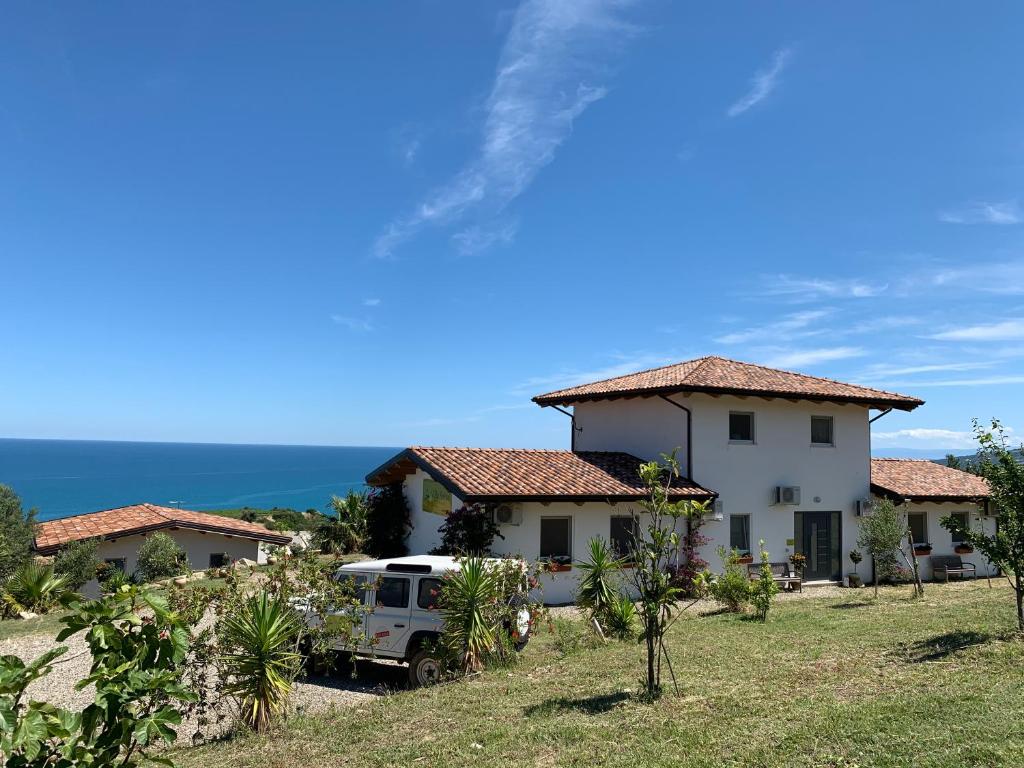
(831, 478)
(198, 546)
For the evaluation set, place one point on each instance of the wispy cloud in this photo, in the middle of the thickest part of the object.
(1007, 212)
(989, 381)
(815, 288)
(371, 302)
(568, 377)
(998, 277)
(925, 438)
(790, 327)
(762, 84)
(799, 358)
(887, 371)
(352, 323)
(542, 85)
(479, 238)
(1007, 330)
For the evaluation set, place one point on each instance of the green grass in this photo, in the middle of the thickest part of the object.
(826, 682)
(48, 624)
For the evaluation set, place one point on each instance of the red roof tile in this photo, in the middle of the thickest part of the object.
(486, 474)
(925, 480)
(718, 375)
(138, 518)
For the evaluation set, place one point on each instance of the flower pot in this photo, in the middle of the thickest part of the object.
(963, 549)
(180, 581)
(854, 580)
(746, 560)
(560, 567)
(272, 560)
(922, 551)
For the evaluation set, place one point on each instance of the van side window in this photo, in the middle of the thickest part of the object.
(429, 593)
(393, 592)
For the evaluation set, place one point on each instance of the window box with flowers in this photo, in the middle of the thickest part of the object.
(963, 549)
(745, 558)
(922, 549)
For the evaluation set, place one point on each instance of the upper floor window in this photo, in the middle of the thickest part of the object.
(821, 430)
(741, 427)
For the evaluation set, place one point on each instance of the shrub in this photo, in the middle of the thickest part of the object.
(732, 587)
(17, 532)
(468, 530)
(571, 637)
(765, 588)
(77, 562)
(881, 535)
(387, 522)
(160, 557)
(33, 587)
(598, 581)
(344, 530)
(259, 658)
(620, 618)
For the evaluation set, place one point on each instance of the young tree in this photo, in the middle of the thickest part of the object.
(881, 536)
(77, 562)
(160, 557)
(17, 532)
(1005, 476)
(656, 546)
(388, 522)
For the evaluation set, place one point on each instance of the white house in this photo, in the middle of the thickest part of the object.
(207, 540)
(783, 456)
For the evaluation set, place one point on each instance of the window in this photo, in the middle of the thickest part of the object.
(393, 592)
(555, 538)
(741, 427)
(219, 560)
(117, 562)
(428, 593)
(963, 519)
(821, 430)
(739, 533)
(622, 535)
(918, 527)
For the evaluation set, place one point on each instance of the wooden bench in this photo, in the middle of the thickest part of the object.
(782, 574)
(952, 565)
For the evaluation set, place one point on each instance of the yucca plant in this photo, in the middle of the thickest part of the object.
(260, 662)
(598, 583)
(468, 597)
(33, 587)
(620, 618)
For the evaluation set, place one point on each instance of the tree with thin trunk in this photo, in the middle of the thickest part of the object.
(881, 535)
(1005, 476)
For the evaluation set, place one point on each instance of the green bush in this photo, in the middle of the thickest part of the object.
(77, 562)
(160, 557)
(573, 636)
(387, 522)
(468, 531)
(620, 618)
(344, 530)
(763, 590)
(732, 587)
(33, 587)
(599, 578)
(17, 532)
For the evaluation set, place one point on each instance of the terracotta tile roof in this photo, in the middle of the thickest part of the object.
(139, 518)
(924, 480)
(718, 375)
(486, 474)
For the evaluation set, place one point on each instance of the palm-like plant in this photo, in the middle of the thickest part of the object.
(33, 587)
(470, 622)
(620, 618)
(261, 659)
(345, 530)
(598, 584)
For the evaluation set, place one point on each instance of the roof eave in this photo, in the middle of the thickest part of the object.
(938, 498)
(706, 495)
(270, 537)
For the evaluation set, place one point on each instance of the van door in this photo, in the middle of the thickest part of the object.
(387, 627)
(346, 622)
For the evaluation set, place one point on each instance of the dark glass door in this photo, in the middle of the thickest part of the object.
(817, 539)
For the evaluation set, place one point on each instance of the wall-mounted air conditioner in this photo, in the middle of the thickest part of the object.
(508, 514)
(865, 507)
(786, 494)
(715, 511)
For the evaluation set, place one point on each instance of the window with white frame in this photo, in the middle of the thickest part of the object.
(739, 533)
(556, 539)
(741, 427)
(821, 430)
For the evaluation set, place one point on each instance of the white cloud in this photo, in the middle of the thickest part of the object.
(1007, 212)
(762, 84)
(790, 327)
(371, 302)
(813, 288)
(800, 358)
(352, 323)
(479, 238)
(999, 277)
(924, 438)
(886, 371)
(541, 86)
(1007, 330)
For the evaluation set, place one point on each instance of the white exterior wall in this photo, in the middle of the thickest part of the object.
(942, 540)
(198, 546)
(831, 478)
(424, 535)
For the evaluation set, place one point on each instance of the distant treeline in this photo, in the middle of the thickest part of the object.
(276, 518)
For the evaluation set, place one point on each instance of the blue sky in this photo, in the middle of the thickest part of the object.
(377, 223)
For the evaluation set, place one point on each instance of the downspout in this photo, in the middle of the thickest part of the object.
(689, 435)
(886, 412)
(573, 429)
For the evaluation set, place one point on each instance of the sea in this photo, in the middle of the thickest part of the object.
(68, 477)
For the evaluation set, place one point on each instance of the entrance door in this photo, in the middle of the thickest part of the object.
(817, 539)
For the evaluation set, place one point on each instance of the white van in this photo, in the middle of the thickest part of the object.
(400, 594)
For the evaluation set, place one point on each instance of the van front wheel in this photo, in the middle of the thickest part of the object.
(424, 669)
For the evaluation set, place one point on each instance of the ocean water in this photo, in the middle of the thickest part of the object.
(68, 477)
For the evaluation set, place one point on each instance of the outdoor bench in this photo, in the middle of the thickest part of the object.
(952, 565)
(782, 574)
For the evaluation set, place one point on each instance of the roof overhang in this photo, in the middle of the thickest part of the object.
(916, 498)
(269, 537)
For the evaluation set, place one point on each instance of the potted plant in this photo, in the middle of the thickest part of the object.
(922, 549)
(799, 562)
(854, 578)
(963, 548)
(560, 563)
(745, 558)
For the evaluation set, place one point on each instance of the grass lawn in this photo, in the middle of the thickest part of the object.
(48, 624)
(826, 682)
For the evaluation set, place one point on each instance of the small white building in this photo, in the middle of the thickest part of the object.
(783, 457)
(207, 540)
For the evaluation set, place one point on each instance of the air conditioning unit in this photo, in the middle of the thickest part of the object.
(508, 514)
(715, 511)
(786, 494)
(865, 507)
